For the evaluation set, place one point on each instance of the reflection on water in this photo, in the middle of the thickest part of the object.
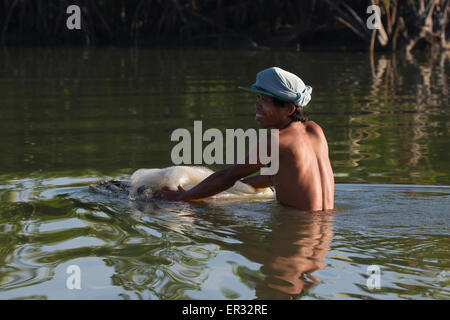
(400, 124)
(427, 97)
(296, 247)
(71, 117)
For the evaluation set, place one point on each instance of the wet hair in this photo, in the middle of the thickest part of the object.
(299, 114)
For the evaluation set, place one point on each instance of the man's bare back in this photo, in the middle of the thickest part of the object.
(305, 178)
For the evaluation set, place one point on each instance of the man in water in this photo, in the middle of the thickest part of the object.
(305, 178)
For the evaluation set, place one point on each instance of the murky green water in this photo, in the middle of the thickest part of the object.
(72, 117)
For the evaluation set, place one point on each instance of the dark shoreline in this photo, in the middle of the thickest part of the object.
(341, 40)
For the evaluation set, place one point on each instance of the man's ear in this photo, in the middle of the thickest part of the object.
(291, 108)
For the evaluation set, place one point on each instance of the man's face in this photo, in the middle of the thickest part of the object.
(267, 114)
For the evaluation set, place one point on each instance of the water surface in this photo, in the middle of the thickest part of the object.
(72, 117)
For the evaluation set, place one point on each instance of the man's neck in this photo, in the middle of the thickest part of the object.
(285, 125)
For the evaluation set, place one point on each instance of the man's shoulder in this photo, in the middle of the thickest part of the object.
(297, 132)
(308, 127)
(311, 126)
(314, 130)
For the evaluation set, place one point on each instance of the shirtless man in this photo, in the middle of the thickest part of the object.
(305, 177)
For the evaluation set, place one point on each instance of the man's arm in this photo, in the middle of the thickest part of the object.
(223, 179)
(259, 181)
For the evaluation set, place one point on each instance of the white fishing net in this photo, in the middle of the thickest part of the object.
(146, 181)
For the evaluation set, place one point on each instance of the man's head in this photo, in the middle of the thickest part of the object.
(299, 113)
(282, 96)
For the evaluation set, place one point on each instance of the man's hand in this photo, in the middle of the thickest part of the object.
(166, 194)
